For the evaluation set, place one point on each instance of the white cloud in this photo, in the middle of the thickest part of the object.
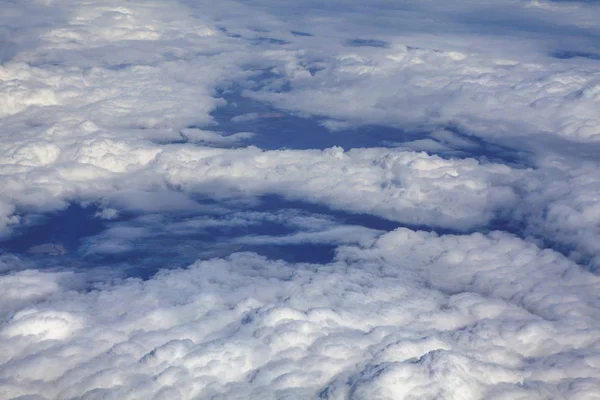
(480, 314)
(402, 186)
(334, 234)
(107, 213)
(414, 87)
(116, 105)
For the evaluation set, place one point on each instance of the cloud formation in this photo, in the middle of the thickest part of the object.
(414, 314)
(461, 247)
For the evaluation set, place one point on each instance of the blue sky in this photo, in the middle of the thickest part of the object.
(261, 199)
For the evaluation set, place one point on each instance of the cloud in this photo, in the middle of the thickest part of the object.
(482, 95)
(481, 314)
(335, 234)
(199, 136)
(485, 67)
(146, 114)
(103, 134)
(403, 186)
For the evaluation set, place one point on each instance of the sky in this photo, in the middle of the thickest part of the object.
(267, 199)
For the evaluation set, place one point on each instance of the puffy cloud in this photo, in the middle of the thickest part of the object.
(105, 111)
(410, 187)
(413, 87)
(414, 314)
(119, 107)
(403, 186)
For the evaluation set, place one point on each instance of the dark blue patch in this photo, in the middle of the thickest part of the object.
(66, 227)
(119, 67)
(77, 228)
(298, 33)
(313, 70)
(162, 248)
(268, 40)
(565, 55)
(277, 129)
(366, 43)
(225, 31)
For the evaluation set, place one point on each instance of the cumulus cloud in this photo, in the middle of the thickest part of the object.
(96, 133)
(404, 186)
(489, 97)
(149, 114)
(414, 314)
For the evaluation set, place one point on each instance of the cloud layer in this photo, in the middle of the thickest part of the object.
(453, 229)
(415, 314)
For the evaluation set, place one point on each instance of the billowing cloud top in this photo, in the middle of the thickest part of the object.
(256, 199)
